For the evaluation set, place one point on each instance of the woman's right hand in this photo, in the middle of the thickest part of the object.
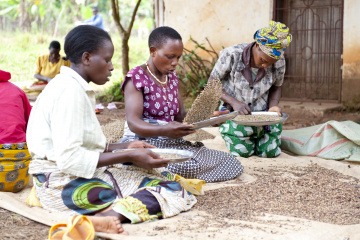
(241, 107)
(147, 159)
(177, 130)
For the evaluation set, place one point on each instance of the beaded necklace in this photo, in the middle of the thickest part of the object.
(164, 83)
(153, 75)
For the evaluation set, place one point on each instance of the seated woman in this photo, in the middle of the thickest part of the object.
(74, 170)
(252, 75)
(47, 66)
(154, 111)
(14, 155)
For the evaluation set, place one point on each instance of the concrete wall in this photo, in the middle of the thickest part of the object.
(351, 52)
(223, 22)
(229, 22)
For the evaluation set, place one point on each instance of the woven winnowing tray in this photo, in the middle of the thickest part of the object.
(205, 103)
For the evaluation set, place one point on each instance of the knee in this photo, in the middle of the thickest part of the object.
(270, 153)
(242, 152)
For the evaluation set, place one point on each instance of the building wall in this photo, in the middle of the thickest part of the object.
(224, 23)
(230, 22)
(351, 52)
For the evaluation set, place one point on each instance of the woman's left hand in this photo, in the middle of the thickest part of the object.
(276, 109)
(140, 144)
(219, 113)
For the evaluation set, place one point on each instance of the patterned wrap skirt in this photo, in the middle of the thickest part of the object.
(245, 141)
(14, 166)
(136, 193)
(206, 164)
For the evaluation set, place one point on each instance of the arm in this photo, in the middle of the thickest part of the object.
(42, 78)
(141, 157)
(37, 74)
(235, 104)
(134, 110)
(182, 113)
(275, 90)
(222, 71)
(274, 99)
(68, 128)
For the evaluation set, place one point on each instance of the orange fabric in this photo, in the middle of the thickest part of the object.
(78, 228)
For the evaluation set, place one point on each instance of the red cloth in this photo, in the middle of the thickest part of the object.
(14, 111)
(4, 76)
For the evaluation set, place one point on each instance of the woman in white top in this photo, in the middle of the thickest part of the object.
(74, 170)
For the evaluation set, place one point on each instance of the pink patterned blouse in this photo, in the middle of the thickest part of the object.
(160, 103)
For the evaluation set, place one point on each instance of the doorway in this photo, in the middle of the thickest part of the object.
(314, 57)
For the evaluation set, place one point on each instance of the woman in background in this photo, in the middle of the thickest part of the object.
(47, 66)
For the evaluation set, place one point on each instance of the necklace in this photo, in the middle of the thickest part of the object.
(153, 75)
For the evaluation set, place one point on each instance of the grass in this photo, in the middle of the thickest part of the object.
(18, 53)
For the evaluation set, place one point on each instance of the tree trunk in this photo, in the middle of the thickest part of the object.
(124, 33)
(24, 21)
(63, 6)
(125, 54)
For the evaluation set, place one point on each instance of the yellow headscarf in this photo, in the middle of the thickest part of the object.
(274, 39)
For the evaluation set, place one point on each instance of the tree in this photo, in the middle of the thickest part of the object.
(125, 33)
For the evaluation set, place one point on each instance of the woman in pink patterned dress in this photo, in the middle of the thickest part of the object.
(154, 111)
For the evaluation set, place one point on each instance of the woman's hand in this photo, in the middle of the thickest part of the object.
(276, 109)
(139, 144)
(177, 130)
(241, 107)
(219, 113)
(147, 159)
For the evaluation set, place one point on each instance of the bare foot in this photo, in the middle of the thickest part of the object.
(110, 212)
(107, 224)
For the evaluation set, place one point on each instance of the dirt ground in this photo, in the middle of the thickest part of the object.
(14, 226)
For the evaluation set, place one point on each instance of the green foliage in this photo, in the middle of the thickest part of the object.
(194, 69)
(51, 20)
(111, 94)
(19, 51)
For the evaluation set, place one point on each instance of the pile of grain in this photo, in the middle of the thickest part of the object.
(257, 118)
(199, 136)
(205, 104)
(313, 192)
(114, 130)
(170, 156)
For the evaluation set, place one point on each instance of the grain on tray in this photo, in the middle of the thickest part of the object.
(170, 156)
(256, 118)
(205, 104)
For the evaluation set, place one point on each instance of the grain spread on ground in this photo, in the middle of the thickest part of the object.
(114, 130)
(256, 118)
(312, 192)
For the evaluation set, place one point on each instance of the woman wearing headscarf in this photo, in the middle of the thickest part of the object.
(14, 155)
(252, 75)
